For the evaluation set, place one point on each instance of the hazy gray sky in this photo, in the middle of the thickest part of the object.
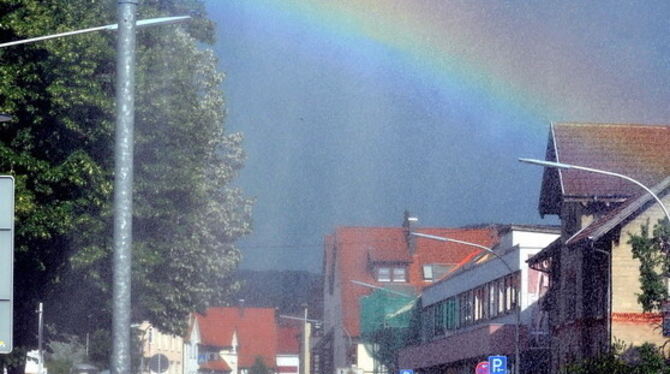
(354, 111)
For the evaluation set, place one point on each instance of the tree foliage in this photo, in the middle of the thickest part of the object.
(59, 147)
(645, 359)
(259, 367)
(652, 251)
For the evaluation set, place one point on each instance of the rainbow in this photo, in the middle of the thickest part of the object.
(453, 47)
(508, 59)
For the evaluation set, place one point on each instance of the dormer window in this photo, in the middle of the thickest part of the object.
(399, 275)
(383, 274)
(428, 273)
(391, 274)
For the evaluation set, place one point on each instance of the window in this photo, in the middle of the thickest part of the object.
(399, 275)
(440, 315)
(383, 274)
(452, 320)
(428, 273)
(391, 274)
(493, 299)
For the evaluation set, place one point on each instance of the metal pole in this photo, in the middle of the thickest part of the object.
(123, 183)
(517, 325)
(40, 338)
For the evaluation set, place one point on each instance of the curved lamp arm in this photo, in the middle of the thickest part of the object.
(561, 165)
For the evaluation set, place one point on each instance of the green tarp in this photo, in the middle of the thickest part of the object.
(385, 309)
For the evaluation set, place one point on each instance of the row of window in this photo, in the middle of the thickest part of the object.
(391, 274)
(484, 302)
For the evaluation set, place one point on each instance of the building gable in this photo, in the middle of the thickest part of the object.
(638, 151)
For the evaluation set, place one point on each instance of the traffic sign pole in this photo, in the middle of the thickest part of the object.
(6, 263)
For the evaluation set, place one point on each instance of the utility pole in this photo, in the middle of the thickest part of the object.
(123, 185)
(40, 337)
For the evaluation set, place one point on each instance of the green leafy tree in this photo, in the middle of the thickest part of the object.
(63, 354)
(652, 251)
(645, 359)
(259, 367)
(59, 147)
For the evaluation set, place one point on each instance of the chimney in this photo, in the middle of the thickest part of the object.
(240, 306)
(409, 225)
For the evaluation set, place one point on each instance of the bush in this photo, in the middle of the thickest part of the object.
(645, 359)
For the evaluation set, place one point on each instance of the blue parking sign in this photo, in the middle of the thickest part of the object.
(498, 364)
(406, 371)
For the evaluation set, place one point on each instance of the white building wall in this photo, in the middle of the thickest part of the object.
(365, 361)
(190, 352)
(515, 248)
(286, 360)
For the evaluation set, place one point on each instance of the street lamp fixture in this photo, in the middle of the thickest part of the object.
(517, 325)
(561, 165)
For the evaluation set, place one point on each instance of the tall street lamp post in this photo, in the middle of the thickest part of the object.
(123, 185)
(123, 176)
(517, 325)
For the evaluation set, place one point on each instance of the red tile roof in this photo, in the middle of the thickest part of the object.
(351, 247)
(288, 340)
(218, 365)
(256, 332)
(638, 151)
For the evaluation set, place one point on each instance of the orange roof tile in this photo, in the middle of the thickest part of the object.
(355, 245)
(288, 340)
(256, 332)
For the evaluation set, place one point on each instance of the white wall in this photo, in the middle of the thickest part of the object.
(287, 360)
(190, 353)
(515, 247)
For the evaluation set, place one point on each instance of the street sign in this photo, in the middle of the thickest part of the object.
(406, 371)
(498, 364)
(482, 368)
(6, 263)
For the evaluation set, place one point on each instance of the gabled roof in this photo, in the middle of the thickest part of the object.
(256, 332)
(351, 247)
(598, 228)
(288, 340)
(638, 151)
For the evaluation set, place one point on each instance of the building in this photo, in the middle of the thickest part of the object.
(229, 340)
(594, 280)
(156, 343)
(357, 259)
(288, 349)
(472, 312)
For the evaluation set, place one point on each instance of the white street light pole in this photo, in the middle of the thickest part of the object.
(139, 24)
(560, 165)
(517, 325)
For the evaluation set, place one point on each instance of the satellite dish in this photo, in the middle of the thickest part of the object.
(159, 363)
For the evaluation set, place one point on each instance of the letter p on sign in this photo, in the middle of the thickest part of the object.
(498, 364)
